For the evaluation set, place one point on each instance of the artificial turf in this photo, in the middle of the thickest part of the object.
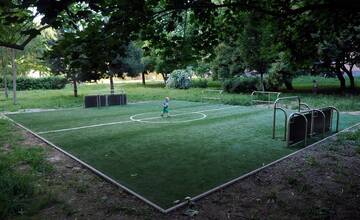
(167, 159)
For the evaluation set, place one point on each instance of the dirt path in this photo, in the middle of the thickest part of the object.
(322, 182)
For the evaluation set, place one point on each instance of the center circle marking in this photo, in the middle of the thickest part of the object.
(201, 116)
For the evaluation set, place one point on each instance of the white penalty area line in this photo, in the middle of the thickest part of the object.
(40, 110)
(131, 120)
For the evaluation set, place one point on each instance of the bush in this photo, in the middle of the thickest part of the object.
(214, 84)
(241, 84)
(25, 83)
(179, 79)
(199, 83)
(280, 72)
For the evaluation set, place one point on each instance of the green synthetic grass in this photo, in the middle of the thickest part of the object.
(167, 159)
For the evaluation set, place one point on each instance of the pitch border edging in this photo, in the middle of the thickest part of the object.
(256, 170)
(94, 170)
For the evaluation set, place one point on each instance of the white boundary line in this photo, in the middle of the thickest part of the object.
(194, 198)
(82, 127)
(131, 120)
(28, 111)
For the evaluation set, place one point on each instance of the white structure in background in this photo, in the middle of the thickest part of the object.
(34, 74)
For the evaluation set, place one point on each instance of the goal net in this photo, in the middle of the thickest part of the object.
(264, 97)
(212, 95)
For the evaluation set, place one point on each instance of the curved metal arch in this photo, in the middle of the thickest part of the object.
(275, 107)
(288, 127)
(324, 120)
(274, 122)
(306, 105)
(286, 98)
(337, 118)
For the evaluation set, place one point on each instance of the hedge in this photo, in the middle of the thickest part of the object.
(205, 83)
(241, 84)
(26, 83)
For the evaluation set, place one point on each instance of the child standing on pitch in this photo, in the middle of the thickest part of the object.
(165, 107)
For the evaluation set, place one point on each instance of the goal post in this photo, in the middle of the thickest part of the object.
(264, 97)
(102, 99)
(209, 95)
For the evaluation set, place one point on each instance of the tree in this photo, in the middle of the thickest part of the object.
(4, 68)
(257, 43)
(228, 62)
(64, 59)
(13, 65)
(130, 63)
(341, 52)
(149, 66)
(280, 72)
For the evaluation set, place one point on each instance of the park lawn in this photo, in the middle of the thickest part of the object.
(154, 91)
(167, 159)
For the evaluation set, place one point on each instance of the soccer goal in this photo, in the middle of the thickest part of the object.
(103, 99)
(211, 95)
(264, 97)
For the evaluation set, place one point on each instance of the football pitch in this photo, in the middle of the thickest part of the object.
(164, 160)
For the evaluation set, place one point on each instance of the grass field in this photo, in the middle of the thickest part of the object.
(166, 159)
(154, 90)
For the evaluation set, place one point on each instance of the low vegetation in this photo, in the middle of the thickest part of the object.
(27, 83)
(22, 170)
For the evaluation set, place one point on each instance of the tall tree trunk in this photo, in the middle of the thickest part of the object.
(289, 85)
(111, 85)
(13, 56)
(262, 82)
(340, 77)
(75, 87)
(143, 77)
(350, 75)
(4, 79)
(164, 77)
(5, 87)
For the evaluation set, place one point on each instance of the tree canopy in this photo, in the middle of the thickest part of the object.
(94, 35)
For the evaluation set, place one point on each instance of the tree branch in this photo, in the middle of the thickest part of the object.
(22, 46)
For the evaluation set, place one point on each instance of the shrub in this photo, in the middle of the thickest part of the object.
(241, 84)
(199, 83)
(21, 168)
(26, 83)
(179, 79)
(280, 72)
(214, 84)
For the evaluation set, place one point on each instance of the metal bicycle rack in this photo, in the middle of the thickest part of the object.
(337, 117)
(309, 121)
(264, 93)
(276, 107)
(289, 124)
(308, 115)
